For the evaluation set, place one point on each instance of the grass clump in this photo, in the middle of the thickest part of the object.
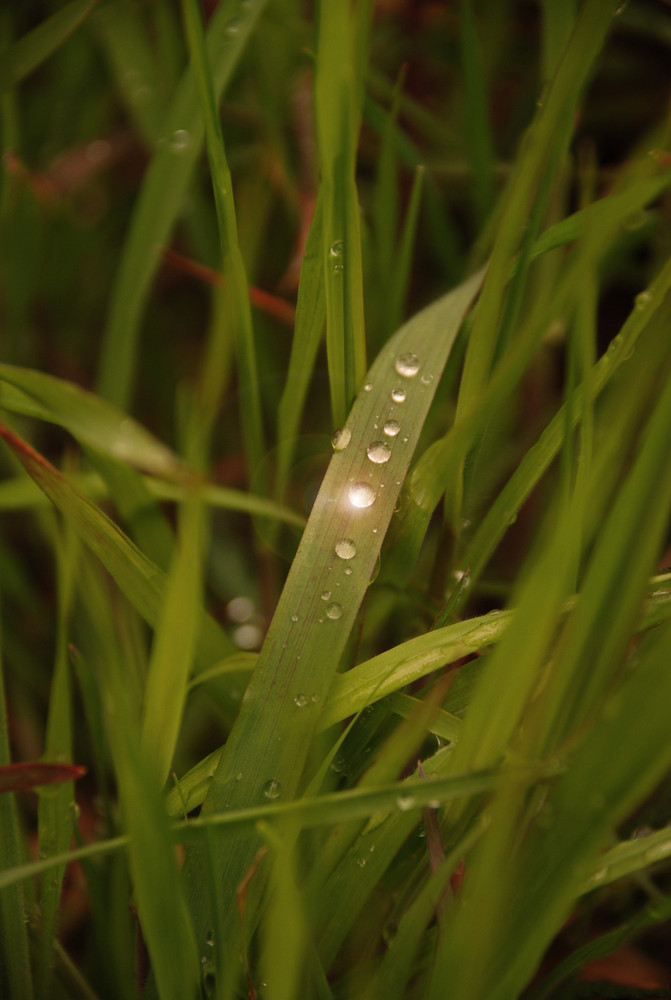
(366, 660)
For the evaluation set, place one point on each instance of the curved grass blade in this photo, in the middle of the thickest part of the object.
(326, 584)
(91, 420)
(138, 578)
(160, 200)
(28, 52)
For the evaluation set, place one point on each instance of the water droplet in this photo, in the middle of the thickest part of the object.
(334, 611)
(233, 26)
(643, 300)
(314, 698)
(339, 764)
(338, 267)
(361, 862)
(336, 248)
(272, 789)
(398, 395)
(294, 618)
(378, 452)
(407, 365)
(391, 428)
(361, 495)
(180, 140)
(326, 595)
(348, 570)
(238, 776)
(427, 378)
(345, 548)
(405, 802)
(301, 700)
(368, 386)
(341, 439)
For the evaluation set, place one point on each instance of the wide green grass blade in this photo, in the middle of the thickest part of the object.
(15, 972)
(28, 52)
(161, 198)
(141, 581)
(326, 585)
(341, 57)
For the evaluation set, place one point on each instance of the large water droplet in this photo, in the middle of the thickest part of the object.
(407, 365)
(391, 428)
(272, 789)
(398, 395)
(180, 140)
(361, 495)
(334, 611)
(345, 548)
(341, 439)
(378, 452)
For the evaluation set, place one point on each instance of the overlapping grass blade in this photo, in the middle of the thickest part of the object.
(15, 973)
(160, 200)
(325, 587)
(27, 53)
(341, 57)
(141, 581)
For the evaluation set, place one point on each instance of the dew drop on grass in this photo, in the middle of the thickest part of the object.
(407, 365)
(427, 378)
(405, 802)
(391, 428)
(361, 862)
(345, 548)
(341, 439)
(233, 27)
(361, 495)
(643, 300)
(326, 595)
(272, 789)
(301, 700)
(368, 386)
(336, 248)
(348, 570)
(378, 452)
(334, 611)
(180, 140)
(398, 394)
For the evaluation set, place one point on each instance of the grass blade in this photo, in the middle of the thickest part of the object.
(29, 52)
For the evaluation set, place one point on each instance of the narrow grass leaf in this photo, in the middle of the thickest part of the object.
(30, 51)
(15, 973)
(160, 200)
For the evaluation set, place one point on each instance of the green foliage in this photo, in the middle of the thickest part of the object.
(386, 716)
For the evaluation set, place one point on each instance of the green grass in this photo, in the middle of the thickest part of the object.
(358, 621)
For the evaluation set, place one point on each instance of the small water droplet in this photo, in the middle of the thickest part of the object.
(338, 267)
(334, 611)
(336, 248)
(427, 378)
(345, 548)
(391, 428)
(326, 595)
(643, 300)
(180, 140)
(314, 698)
(367, 386)
(339, 764)
(233, 26)
(294, 618)
(405, 802)
(348, 570)
(398, 395)
(272, 789)
(361, 862)
(361, 495)
(238, 776)
(301, 700)
(341, 439)
(378, 452)
(407, 365)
